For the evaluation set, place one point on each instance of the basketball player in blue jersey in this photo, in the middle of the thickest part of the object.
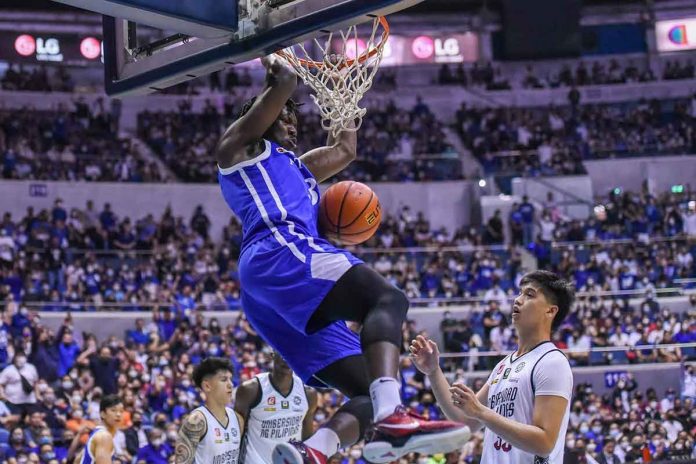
(298, 290)
(100, 445)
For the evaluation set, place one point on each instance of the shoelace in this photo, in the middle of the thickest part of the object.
(404, 410)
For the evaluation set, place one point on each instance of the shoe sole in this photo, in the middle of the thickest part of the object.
(381, 452)
(285, 453)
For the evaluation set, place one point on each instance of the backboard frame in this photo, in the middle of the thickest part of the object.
(126, 73)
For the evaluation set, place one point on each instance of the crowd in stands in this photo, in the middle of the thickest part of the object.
(555, 140)
(84, 258)
(38, 79)
(391, 142)
(183, 268)
(150, 367)
(676, 70)
(596, 73)
(77, 143)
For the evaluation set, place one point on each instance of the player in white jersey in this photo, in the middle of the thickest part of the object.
(100, 445)
(277, 407)
(525, 404)
(211, 434)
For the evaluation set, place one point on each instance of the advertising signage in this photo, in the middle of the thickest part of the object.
(50, 48)
(676, 35)
(416, 49)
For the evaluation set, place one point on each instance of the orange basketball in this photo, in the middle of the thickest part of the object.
(349, 212)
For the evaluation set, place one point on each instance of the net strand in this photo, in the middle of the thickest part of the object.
(339, 86)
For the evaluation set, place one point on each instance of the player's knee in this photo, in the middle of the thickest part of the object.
(383, 322)
(395, 301)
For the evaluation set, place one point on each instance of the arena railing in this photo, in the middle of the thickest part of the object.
(595, 349)
(416, 302)
(404, 250)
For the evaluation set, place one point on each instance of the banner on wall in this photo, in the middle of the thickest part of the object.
(50, 48)
(676, 35)
(404, 50)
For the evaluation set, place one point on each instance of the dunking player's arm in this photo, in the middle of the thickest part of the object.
(308, 422)
(243, 139)
(191, 433)
(331, 159)
(270, 116)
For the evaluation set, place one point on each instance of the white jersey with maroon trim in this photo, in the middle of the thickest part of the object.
(512, 388)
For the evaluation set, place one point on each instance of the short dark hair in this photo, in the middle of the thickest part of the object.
(557, 291)
(211, 366)
(109, 401)
(291, 105)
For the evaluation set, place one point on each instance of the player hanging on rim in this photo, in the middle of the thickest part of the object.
(298, 289)
(277, 407)
(99, 448)
(525, 404)
(211, 434)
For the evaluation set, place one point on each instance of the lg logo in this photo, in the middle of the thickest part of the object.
(446, 47)
(46, 49)
(424, 47)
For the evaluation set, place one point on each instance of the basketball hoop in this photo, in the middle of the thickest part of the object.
(339, 84)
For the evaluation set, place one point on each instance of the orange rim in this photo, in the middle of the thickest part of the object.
(361, 59)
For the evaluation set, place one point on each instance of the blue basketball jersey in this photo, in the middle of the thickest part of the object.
(285, 268)
(272, 194)
(87, 457)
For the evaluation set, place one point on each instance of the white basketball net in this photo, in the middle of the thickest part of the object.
(339, 83)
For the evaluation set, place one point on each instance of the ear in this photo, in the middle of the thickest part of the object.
(551, 312)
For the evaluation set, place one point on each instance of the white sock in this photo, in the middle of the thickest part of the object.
(325, 441)
(385, 394)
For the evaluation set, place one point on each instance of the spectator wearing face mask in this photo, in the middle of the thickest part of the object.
(47, 453)
(34, 426)
(608, 456)
(135, 434)
(18, 444)
(17, 383)
(354, 456)
(157, 451)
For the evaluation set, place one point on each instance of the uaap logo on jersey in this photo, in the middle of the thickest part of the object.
(296, 400)
(519, 368)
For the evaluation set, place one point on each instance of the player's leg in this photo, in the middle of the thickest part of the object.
(348, 425)
(362, 295)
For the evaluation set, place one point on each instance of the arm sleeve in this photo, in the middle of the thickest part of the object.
(552, 376)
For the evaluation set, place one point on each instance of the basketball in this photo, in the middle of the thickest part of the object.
(349, 213)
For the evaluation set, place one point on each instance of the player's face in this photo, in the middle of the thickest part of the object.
(284, 130)
(113, 416)
(220, 387)
(530, 308)
(279, 364)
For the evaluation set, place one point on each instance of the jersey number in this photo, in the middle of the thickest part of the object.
(501, 445)
(312, 192)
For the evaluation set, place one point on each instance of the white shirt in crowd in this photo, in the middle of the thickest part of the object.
(11, 383)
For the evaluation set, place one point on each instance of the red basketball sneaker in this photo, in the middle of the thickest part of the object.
(405, 432)
(296, 452)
